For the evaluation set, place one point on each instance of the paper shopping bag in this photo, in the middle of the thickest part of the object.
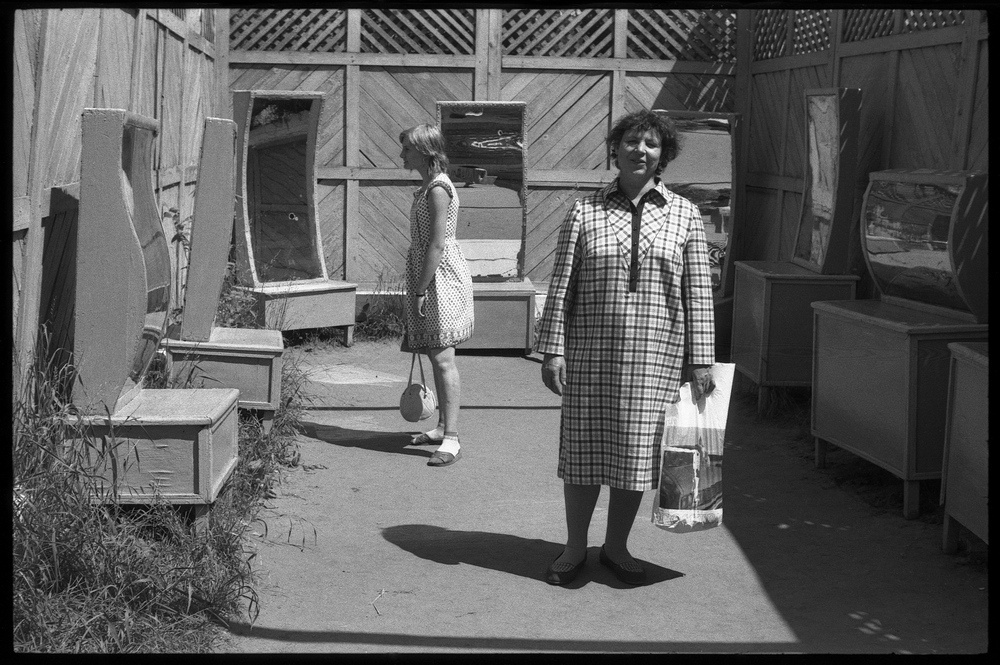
(690, 489)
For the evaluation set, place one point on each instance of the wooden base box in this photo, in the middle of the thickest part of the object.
(965, 483)
(772, 319)
(297, 305)
(880, 383)
(175, 446)
(242, 358)
(505, 316)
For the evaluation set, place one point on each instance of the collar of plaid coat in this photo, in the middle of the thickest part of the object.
(619, 215)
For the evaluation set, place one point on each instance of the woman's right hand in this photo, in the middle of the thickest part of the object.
(554, 372)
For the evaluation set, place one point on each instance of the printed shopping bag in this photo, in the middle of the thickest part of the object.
(690, 493)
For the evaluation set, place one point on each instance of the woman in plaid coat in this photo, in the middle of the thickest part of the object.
(629, 309)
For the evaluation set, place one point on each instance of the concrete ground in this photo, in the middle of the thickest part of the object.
(366, 549)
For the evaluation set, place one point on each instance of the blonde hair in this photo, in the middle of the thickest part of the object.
(429, 142)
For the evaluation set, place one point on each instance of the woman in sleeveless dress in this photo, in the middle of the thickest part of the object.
(439, 313)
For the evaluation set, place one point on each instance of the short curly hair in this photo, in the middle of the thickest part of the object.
(642, 121)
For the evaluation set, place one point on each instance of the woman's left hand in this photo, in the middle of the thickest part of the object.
(702, 382)
(420, 303)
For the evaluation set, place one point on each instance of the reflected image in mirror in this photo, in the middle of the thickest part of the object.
(141, 206)
(823, 141)
(485, 147)
(279, 201)
(906, 240)
(702, 173)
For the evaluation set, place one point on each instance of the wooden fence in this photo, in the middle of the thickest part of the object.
(924, 76)
(384, 70)
(924, 80)
(157, 62)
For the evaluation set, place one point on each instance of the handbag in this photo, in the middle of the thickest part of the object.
(417, 401)
(689, 497)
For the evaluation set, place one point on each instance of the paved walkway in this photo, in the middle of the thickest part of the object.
(366, 549)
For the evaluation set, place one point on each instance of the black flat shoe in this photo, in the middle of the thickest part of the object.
(563, 573)
(628, 572)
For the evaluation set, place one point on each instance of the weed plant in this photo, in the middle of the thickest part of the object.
(106, 577)
(384, 315)
(237, 307)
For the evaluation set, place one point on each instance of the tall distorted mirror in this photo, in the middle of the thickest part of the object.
(137, 160)
(832, 122)
(279, 241)
(484, 142)
(703, 172)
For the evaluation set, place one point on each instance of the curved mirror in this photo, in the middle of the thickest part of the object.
(279, 192)
(906, 240)
(823, 139)
(703, 174)
(484, 142)
(137, 183)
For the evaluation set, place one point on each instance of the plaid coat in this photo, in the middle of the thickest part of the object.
(625, 351)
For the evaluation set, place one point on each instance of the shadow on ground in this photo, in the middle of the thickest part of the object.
(383, 442)
(505, 553)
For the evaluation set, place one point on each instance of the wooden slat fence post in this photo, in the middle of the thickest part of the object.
(495, 54)
(968, 67)
(138, 48)
(27, 318)
(743, 106)
(618, 84)
(480, 89)
(352, 149)
(224, 103)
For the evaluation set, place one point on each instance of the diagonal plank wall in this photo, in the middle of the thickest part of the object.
(375, 89)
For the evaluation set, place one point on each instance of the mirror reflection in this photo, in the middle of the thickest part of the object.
(703, 174)
(279, 193)
(485, 146)
(137, 145)
(906, 240)
(823, 139)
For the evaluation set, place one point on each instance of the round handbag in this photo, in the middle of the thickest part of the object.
(417, 401)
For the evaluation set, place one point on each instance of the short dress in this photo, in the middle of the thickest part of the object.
(448, 307)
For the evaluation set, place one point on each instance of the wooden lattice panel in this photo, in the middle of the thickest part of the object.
(558, 32)
(682, 34)
(811, 31)
(862, 24)
(419, 31)
(770, 29)
(312, 30)
(929, 19)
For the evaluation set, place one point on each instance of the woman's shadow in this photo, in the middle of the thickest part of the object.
(527, 557)
(383, 442)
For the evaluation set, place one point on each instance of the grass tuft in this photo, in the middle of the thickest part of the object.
(113, 578)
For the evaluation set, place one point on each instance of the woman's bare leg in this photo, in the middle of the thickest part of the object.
(447, 384)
